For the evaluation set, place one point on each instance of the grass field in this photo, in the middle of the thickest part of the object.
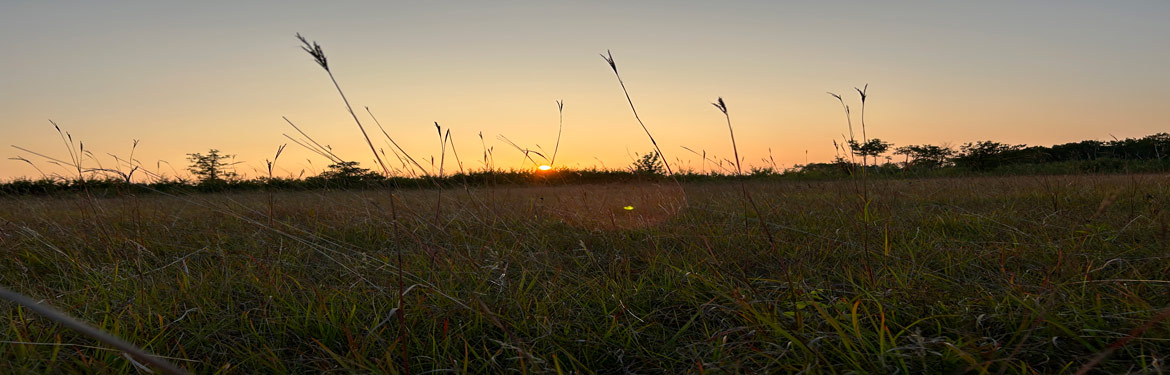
(1011, 275)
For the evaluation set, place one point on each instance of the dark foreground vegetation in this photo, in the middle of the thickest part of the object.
(1014, 275)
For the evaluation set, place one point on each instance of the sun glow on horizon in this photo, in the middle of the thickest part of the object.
(498, 69)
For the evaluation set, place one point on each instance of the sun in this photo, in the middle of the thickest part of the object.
(544, 167)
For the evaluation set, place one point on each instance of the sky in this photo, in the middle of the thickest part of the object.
(186, 77)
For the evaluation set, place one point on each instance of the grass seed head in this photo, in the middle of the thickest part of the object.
(609, 59)
(721, 105)
(314, 50)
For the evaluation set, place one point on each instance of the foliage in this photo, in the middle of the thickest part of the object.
(763, 171)
(985, 155)
(507, 283)
(212, 168)
(871, 149)
(649, 164)
(24, 186)
(346, 174)
(1156, 146)
(926, 156)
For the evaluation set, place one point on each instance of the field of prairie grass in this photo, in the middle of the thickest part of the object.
(1014, 275)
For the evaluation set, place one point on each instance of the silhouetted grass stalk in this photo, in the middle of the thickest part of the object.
(455, 151)
(442, 160)
(861, 185)
(270, 164)
(613, 65)
(722, 106)
(311, 144)
(703, 156)
(864, 155)
(30, 163)
(314, 50)
(524, 150)
(560, 128)
(849, 142)
(74, 156)
(404, 153)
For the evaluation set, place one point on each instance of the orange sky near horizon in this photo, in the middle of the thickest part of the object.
(187, 77)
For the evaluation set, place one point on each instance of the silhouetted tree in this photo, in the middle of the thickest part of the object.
(925, 156)
(213, 167)
(1149, 147)
(648, 164)
(870, 150)
(1083, 150)
(984, 155)
(347, 174)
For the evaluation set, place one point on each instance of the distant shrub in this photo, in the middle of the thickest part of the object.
(649, 164)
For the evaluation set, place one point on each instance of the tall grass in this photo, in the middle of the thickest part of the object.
(979, 277)
(722, 106)
(314, 50)
(396, 146)
(131, 351)
(560, 127)
(862, 184)
(608, 56)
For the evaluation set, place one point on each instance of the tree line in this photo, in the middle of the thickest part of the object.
(986, 156)
(215, 170)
